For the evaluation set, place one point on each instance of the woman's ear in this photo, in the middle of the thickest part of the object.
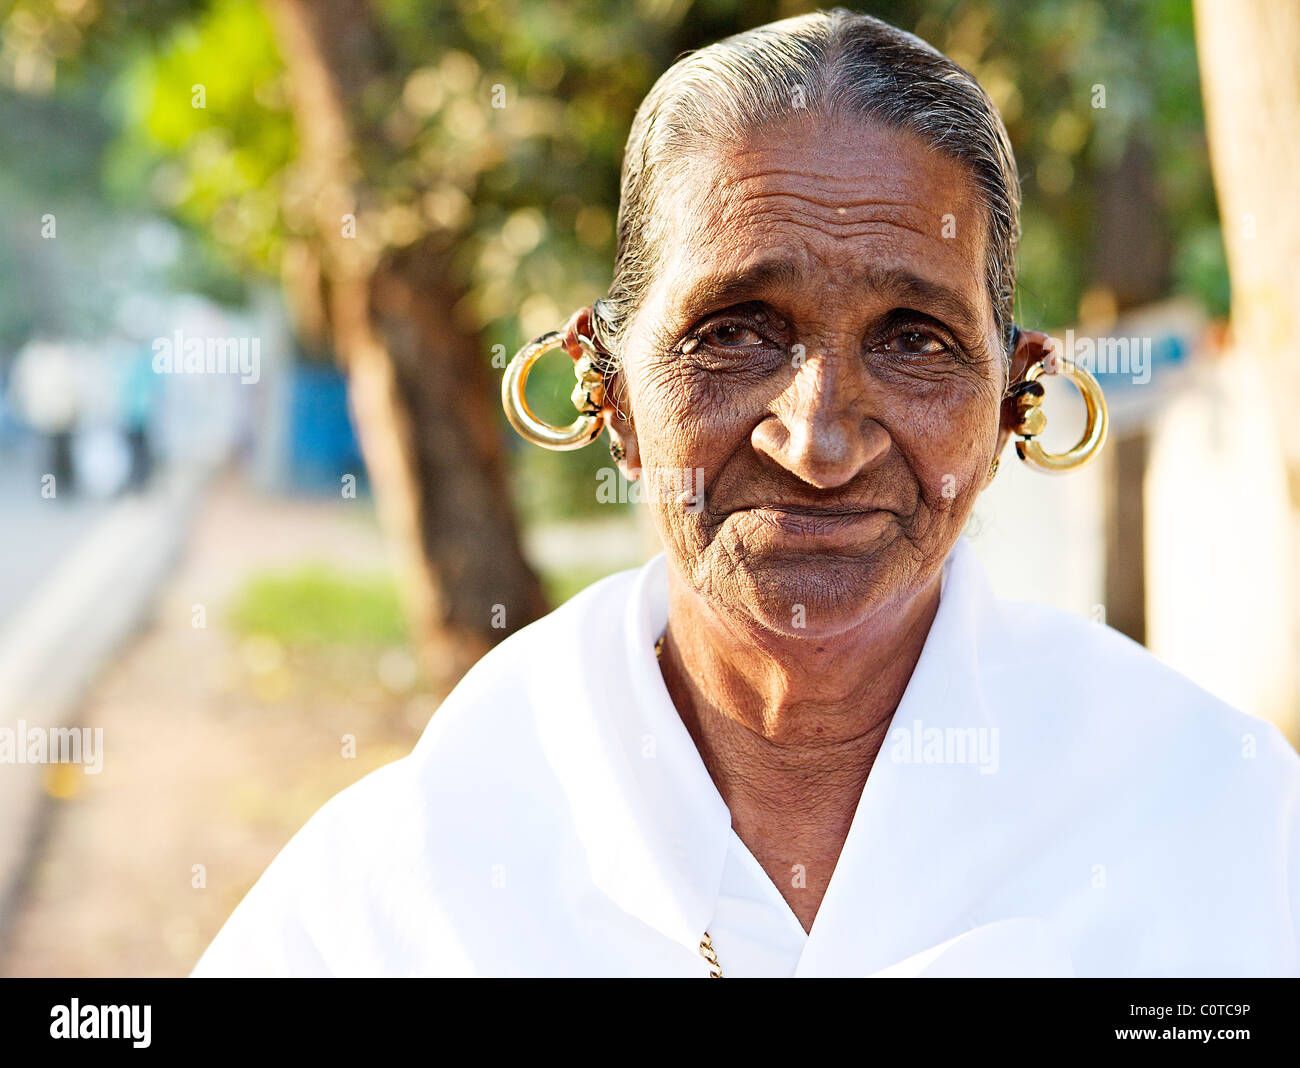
(1031, 346)
(623, 445)
(621, 426)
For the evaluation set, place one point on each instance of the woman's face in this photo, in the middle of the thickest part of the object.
(818, 354)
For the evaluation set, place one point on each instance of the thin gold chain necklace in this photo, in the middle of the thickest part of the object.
(706, 943)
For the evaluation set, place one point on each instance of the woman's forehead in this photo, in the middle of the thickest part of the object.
(841, 153)
(845, 206)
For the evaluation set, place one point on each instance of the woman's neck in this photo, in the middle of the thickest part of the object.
(789, 728)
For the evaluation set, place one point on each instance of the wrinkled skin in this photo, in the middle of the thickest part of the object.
(843, 413)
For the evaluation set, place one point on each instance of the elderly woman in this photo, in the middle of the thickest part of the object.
(805, 739)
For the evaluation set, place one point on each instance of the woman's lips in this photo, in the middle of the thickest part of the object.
(808, 523)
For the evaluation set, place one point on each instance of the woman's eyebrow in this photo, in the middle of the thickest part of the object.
(895, 283)
(720, 290)
(927, 295)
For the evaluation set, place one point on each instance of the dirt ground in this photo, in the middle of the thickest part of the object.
(216, 750)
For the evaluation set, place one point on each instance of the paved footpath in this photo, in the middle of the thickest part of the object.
(216, 750)
(35, 532)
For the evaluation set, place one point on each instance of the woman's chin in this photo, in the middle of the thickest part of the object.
(811, 596)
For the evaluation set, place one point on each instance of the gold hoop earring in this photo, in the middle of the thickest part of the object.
(588, 396)
(1031, 421)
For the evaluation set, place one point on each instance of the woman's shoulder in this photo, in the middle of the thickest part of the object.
(288, 922)
(1114, 697)
(481, 779)
(533, 666)
(1052, 641)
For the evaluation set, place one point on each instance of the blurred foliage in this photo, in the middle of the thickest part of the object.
(501, 123)
(206, 130)
(45, 172)
(317, 605)
(60, 64)
(562, 583)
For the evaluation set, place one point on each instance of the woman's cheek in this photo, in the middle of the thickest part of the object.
(951, 466)
(690, 433)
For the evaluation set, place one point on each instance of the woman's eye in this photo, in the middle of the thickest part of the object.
(731, 336)
(915, 343)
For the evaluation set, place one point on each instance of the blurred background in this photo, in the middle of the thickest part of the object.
(263, 262)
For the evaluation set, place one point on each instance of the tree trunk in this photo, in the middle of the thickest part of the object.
(1131, 252)
(1251, 83)
(1131, 262)
(421, 395)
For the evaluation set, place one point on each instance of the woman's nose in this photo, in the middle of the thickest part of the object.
(823, 428)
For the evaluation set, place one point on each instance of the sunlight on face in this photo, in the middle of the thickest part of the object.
(820, 347)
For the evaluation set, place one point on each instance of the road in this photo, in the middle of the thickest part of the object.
(35, 532)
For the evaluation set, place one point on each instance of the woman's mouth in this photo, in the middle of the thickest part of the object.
(817, 523)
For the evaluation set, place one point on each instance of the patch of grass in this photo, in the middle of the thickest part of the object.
(560, 584)
(319, 605)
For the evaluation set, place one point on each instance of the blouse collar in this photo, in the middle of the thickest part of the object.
(666, 827)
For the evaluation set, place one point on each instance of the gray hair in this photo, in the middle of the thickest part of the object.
(831, 63)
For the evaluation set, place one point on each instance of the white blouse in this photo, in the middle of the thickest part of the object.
(1050, 800)
(753, 930)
